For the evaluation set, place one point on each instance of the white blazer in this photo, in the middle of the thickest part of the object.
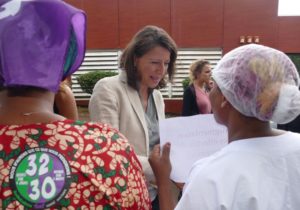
(114, 102)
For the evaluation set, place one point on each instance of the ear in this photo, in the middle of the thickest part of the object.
(224, 102)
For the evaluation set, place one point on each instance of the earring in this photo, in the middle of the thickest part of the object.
(223, 104)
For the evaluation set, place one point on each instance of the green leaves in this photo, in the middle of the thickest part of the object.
(185, 83)
(295, 57)
(88, 80)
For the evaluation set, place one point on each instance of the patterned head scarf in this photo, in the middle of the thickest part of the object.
(41, 42)
(260, 82)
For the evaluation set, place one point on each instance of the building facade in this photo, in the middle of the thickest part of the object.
(192, 23)
(197, 26)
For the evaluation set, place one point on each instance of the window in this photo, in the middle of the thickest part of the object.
(288, 8)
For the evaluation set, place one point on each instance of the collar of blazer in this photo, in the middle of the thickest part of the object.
(135, 101)
(134, 96)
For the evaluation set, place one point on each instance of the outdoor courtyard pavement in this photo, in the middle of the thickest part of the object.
(83, 113)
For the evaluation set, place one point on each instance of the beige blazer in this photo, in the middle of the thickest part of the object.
(116, 103)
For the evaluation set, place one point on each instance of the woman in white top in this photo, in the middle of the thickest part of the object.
(259, 168)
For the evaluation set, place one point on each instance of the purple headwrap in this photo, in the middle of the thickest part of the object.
(41, 42)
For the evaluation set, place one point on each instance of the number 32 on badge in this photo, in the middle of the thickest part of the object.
(40, 178)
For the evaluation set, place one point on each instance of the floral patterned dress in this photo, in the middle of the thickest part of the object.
(69, 165)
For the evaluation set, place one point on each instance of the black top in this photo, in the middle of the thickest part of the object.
(189, 106)
(293, 126)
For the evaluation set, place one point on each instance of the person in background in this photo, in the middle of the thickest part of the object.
(64, 102)
(47, 161)
(259, 168)
(195, 96)
(131, 101)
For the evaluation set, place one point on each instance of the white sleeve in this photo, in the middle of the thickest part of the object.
(199, 195)
(146, 168)
(202, 191)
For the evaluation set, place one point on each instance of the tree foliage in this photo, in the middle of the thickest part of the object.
(88, 80)
(296, 60)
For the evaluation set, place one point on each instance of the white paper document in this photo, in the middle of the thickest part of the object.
(191, 138)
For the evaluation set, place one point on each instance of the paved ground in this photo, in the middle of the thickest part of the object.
(83, 113)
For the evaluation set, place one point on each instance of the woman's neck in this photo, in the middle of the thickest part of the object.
(144, 95)
(144, 91)
(200, 84)
(27, 109)
(27, 103)
(248, 127)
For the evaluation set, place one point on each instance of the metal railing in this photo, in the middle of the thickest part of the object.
(108, 60)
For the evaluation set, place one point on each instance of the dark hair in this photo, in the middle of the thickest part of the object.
(21, 90)
(143, 41)
(196, 68)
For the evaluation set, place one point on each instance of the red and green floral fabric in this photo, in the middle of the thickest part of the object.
(69, 165)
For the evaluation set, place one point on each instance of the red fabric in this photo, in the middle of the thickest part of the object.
(105, 172)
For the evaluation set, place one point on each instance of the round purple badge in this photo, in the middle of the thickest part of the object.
(40, 178)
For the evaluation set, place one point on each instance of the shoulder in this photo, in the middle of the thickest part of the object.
(109, 159)
(64, 90)
(98, 129)
(189, 89)
(64, 87)
(97, 137)
(208, 179)
(108, 81)
(239, 158)
(109, 84)
(221, 162)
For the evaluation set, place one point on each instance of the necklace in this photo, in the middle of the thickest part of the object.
(31, 113)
